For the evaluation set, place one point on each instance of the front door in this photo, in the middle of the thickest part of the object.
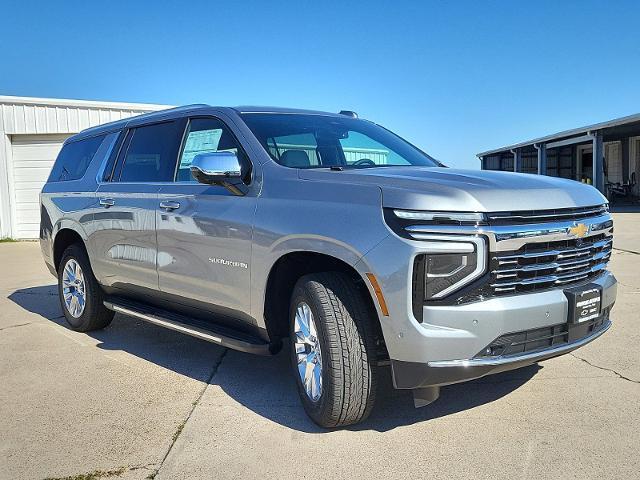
(204, 232)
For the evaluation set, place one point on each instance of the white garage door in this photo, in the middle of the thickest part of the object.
(33, 157)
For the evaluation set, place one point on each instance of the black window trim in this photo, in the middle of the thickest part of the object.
(122, 152)
(115, 152)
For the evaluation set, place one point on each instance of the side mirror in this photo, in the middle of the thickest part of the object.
(218, 168)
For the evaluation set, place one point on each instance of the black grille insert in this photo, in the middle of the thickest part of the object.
(541, 338)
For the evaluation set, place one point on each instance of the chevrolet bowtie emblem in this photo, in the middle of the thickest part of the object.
(578, 230)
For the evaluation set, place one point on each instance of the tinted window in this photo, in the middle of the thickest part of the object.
(205, 135)
(315, 141)
(74, 159)
(151, 154)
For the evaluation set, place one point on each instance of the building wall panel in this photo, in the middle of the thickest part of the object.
(46, 119)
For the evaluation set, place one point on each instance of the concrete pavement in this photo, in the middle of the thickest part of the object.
(627, 229)
(72, 403)
(136, 401)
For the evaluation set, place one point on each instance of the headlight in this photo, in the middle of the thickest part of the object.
(444, 271)
(442, 217)
(449, 264)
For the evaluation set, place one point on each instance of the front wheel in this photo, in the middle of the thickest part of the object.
(333, 349)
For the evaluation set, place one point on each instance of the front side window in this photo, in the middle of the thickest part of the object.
(205, 135)
(151, 153)
(320, 141)
(74, 159)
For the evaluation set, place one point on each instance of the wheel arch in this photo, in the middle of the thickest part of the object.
(65, 237)
(283, 276)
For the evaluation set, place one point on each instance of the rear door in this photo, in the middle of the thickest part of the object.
(124, 237)
(204, 231)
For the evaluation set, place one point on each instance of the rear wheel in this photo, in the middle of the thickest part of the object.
(80, 294)
(333, 349)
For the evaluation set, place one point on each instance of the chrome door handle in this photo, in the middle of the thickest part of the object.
(169, 205)
(107, 202)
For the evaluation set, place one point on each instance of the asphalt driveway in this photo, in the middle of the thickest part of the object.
(136, 401)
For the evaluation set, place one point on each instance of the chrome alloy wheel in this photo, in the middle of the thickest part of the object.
(308, 353)
(73, 288)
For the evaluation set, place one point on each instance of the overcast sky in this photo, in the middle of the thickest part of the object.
(456, 78)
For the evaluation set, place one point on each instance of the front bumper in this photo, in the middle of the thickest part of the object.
(412, 375)
(442, 345)
(516, 313)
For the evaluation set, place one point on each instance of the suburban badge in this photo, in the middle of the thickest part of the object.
(228, 263)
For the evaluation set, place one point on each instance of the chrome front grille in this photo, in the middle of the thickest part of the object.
(550, 264)
(539, 216)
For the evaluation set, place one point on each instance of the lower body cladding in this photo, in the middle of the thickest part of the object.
(461, 342)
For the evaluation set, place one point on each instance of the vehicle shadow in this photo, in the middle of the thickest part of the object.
(264, 384)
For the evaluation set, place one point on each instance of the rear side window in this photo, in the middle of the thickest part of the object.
(152, 153)
(74, 159)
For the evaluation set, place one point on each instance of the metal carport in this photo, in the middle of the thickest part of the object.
(578, 154)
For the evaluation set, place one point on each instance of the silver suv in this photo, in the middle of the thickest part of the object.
(246, 226)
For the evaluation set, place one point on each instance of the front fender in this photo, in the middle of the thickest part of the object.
(333, 218)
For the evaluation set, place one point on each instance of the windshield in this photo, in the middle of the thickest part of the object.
(320, 141)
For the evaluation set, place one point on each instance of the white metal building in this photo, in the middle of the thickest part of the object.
(32, 131)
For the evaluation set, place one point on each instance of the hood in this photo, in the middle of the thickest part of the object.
(425, 188)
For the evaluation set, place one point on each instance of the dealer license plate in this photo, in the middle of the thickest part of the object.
(587, 305)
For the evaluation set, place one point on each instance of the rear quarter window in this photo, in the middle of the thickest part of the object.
(74, 159)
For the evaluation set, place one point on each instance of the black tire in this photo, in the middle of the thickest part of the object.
(95, 315)
(346, 335)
